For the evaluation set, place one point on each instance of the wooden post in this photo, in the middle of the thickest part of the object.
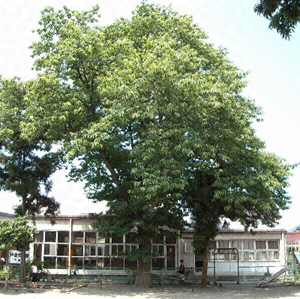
(162, 279)
(131, 281)
(193, 278)
(100, 282)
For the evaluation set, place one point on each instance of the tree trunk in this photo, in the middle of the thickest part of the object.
(205, 267)
(23, 253)
(7, 264)
(143, 278)
(22, 268)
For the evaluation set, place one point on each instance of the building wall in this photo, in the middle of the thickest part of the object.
(72, 241)
(257, 254)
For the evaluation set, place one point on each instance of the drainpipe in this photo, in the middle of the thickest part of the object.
(70, 245)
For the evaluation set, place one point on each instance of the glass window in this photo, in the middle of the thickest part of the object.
(104, 262)
(158, 263)
(116, 249)
(170, 257)
(117, 239)
(61, 262)
(50, 261)
(130, 238)
(90, 237)
(47, 249)
(117, 262)
(100, 249)
(102, 240)
(62, 249)
(50, 236)
(90, 250)
(130, 264)
(63, 237)
(261, 245)
(90, 263)
(273, 245)
(248, 244)
(78, 250)
(39, 237)
(170, 240)
(223, 244)
(158, 248)
(261, 255)
(248, 256)
(236, 244)
(273, 255)
(77, 237)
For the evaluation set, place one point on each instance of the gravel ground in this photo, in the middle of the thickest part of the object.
(116, 291)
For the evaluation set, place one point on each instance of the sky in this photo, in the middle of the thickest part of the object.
(273, 81)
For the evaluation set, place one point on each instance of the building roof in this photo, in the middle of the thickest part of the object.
(293, 237)
(6, 215)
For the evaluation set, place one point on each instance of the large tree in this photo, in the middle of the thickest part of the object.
(284, 15)
(144, 104)
(25, 166)
(16, 234)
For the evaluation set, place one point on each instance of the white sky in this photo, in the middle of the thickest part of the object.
(273, 81)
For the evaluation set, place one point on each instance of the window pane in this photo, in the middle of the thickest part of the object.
(101, 250)
(273, 255)
(130, 264)
(236, 244)
(78, 250)
(47, 249)
(117, 262)
(90, 237)
(50, 261)
(103, 240)
(78, 237)
(248, 256)
(158, 248)
(158, 263)
(61, 262)
(130, 238)
(117, 239)
(248, 244)
(273, 245)
(90, 263)
(63, 237)
(38, 237)
(223, 244)
(170, 240)
(261, 255)
(50, 236)
(106, 253)
(104, 262)
(170, 257)
(62, 249)
(261, 245)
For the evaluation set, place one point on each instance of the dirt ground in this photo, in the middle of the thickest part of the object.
(117, 291)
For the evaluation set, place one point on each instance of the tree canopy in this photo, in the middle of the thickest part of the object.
(16, 234)
(156, 117)
(25, 166)
(283, 15)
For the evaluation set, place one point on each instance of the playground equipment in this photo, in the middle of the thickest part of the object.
(272, 277)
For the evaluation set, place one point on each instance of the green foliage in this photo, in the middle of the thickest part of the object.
(25, 166)
(16, 234)
(283, 15)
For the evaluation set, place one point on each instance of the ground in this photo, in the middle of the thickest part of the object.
(118, 291)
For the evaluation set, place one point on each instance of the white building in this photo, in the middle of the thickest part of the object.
(72, 241)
